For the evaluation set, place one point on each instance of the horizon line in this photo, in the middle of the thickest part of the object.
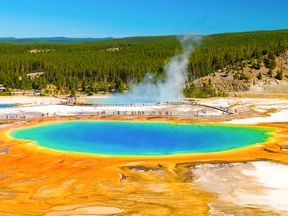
(106, 37)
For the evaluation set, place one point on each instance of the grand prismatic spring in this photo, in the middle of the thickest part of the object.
(140, 138)
(143, 108)
(82, 166)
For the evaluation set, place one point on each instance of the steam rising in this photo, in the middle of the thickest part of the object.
(171, 87)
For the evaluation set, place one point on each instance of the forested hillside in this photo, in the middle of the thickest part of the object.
(94, 66)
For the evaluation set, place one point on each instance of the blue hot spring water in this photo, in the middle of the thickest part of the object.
(140, 138)
(7, 105)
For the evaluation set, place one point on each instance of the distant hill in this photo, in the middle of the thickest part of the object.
(244, 38)
(48, 40)
(219, 40)
(212, 40)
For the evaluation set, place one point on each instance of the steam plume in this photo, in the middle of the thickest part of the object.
(171, 88)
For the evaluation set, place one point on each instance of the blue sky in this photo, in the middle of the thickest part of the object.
(120, 18)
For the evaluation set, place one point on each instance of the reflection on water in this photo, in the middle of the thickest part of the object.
(121, 99)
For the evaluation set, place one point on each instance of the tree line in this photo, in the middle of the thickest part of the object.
(114, 64)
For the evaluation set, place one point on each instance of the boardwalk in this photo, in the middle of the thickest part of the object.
(173, 109)
(194, 103)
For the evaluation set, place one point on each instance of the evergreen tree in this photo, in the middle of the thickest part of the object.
(279, 75)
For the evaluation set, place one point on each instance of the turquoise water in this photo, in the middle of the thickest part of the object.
(120, 99)
(7, 105)
(140, 138)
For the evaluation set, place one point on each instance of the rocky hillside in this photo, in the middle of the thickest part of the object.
(267, 74)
